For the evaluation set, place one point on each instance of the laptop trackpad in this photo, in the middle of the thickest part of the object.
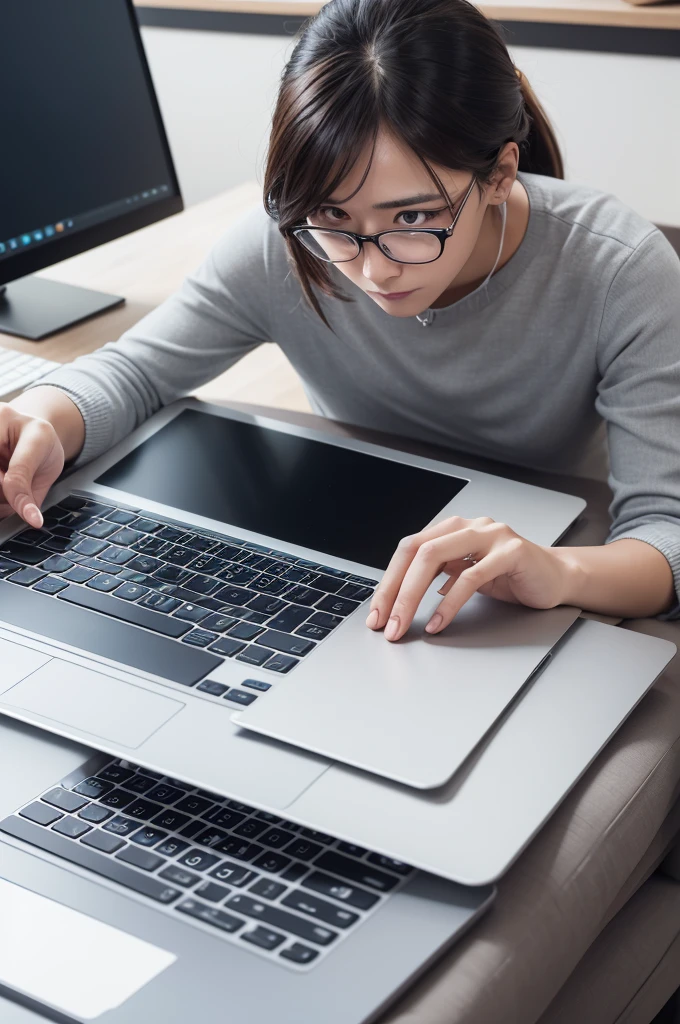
(94, 703)
(68, 960)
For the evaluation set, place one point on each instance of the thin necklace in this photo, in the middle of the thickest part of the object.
(428, 316)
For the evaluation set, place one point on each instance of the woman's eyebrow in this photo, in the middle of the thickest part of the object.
(390, 204)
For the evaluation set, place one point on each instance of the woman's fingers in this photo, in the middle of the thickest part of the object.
(26, 459)
(499, 562)
(409, 549)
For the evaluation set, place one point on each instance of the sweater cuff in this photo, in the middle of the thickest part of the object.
(93, 405)
(665, 537)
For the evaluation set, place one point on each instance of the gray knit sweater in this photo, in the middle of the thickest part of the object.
(568, 359)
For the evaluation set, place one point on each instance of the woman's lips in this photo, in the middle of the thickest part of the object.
(394, 295)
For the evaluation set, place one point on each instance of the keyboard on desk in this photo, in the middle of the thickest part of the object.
(199, 597)
(286, 891)
(18, 370)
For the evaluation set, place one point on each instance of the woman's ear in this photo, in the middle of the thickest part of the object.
(505, 174)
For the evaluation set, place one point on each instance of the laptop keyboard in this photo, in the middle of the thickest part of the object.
(218, 596)
(248, 876)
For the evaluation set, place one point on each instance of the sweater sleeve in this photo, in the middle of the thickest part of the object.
(220, 313)
(639, 398)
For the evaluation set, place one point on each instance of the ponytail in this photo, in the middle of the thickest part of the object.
(540, 152)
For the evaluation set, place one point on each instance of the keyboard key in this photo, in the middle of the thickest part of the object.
(115, 773)
(251, 828)
(276, 838)
(389, 864)
(224, 817)
(180, 556)
(272, 862)
(139, 784)
(95, 814)
(254, 655)
(245, 631)
(56, 563)
(121, 609)
(140, 858)
(267, 605)
(211, 915)
(310, 631)
(219, 623)
(172, 574)
(102, 841)
(285, 642)
(199, 638)
(199, 860)
(144, 563)
(356, 871)
(146, 525)
(72, 503)
(287, 620)
(170, 819)
(131, 591)
(267, 889)
(297, 574)
(172, 534)
(104, 583)
(213, 688)
(240, 696)
(256, 684)
(207, 564)
(212, 892)
(121, 517)
(49, 585)
(210, 837)
(227, 646)
(303, 849)
(194, 804)
(125, 537)
(101, 530)
(93, 788)
(236, 874)
(90, 547)
(172, 847)
(337, 605)
(299, 954)
(148, 836)
(23, 553)
(295, 872)
(281, 919)
(303, 595)
(239, 848)
(96, 508)
(71, 827)
(178, 876)
(64, 799)
(7, 566)
(199, 543)
(121, 826)
(263, 938)
(40, 813)
(240, 575)
(350, 894)
(281, 663)
(191, 613)
(234, 595)
(320, 909)
(317, 837)
(143, 809)
(79, 574)
(355, 592)
(118, 798)
(325, 620)
(329, 584)
(160, 602)
(26, 577)
(352, 849)
(166, 793)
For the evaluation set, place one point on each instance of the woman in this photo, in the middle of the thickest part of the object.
(530, 316)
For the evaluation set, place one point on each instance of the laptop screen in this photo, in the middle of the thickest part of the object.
(321, 496)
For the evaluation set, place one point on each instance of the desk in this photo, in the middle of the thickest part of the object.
(148, 266)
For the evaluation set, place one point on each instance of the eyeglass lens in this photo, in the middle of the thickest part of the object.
(406, 246)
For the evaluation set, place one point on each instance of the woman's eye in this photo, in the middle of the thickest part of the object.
(329, 212)
(411, 216)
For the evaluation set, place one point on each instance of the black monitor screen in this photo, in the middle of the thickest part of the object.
(81, 139)
(321, 496)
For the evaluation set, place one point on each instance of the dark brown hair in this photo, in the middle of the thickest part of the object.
(434, 73)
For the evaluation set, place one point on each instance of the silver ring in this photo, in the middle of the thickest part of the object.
(470, 558)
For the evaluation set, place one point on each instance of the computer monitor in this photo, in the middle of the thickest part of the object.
(85, 158)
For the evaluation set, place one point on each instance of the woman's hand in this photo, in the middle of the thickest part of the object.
(507, 567)
(31, 459)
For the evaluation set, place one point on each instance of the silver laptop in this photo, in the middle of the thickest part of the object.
(214, 558)
(201, 900)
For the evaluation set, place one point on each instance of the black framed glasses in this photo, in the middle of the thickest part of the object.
(417, 245)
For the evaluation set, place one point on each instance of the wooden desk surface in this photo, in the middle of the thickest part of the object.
(148, 266)
(581, 12)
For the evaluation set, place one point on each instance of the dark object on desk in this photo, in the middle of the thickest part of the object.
(100, 170)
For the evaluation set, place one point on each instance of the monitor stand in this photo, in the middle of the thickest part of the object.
(34, 307)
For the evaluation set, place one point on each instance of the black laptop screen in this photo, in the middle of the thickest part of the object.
(331, 499)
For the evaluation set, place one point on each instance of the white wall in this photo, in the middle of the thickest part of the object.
(616, 116)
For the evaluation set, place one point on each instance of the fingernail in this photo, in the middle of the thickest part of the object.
(434, 623)
(392, 628)
(372, 620)
(33, 515)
